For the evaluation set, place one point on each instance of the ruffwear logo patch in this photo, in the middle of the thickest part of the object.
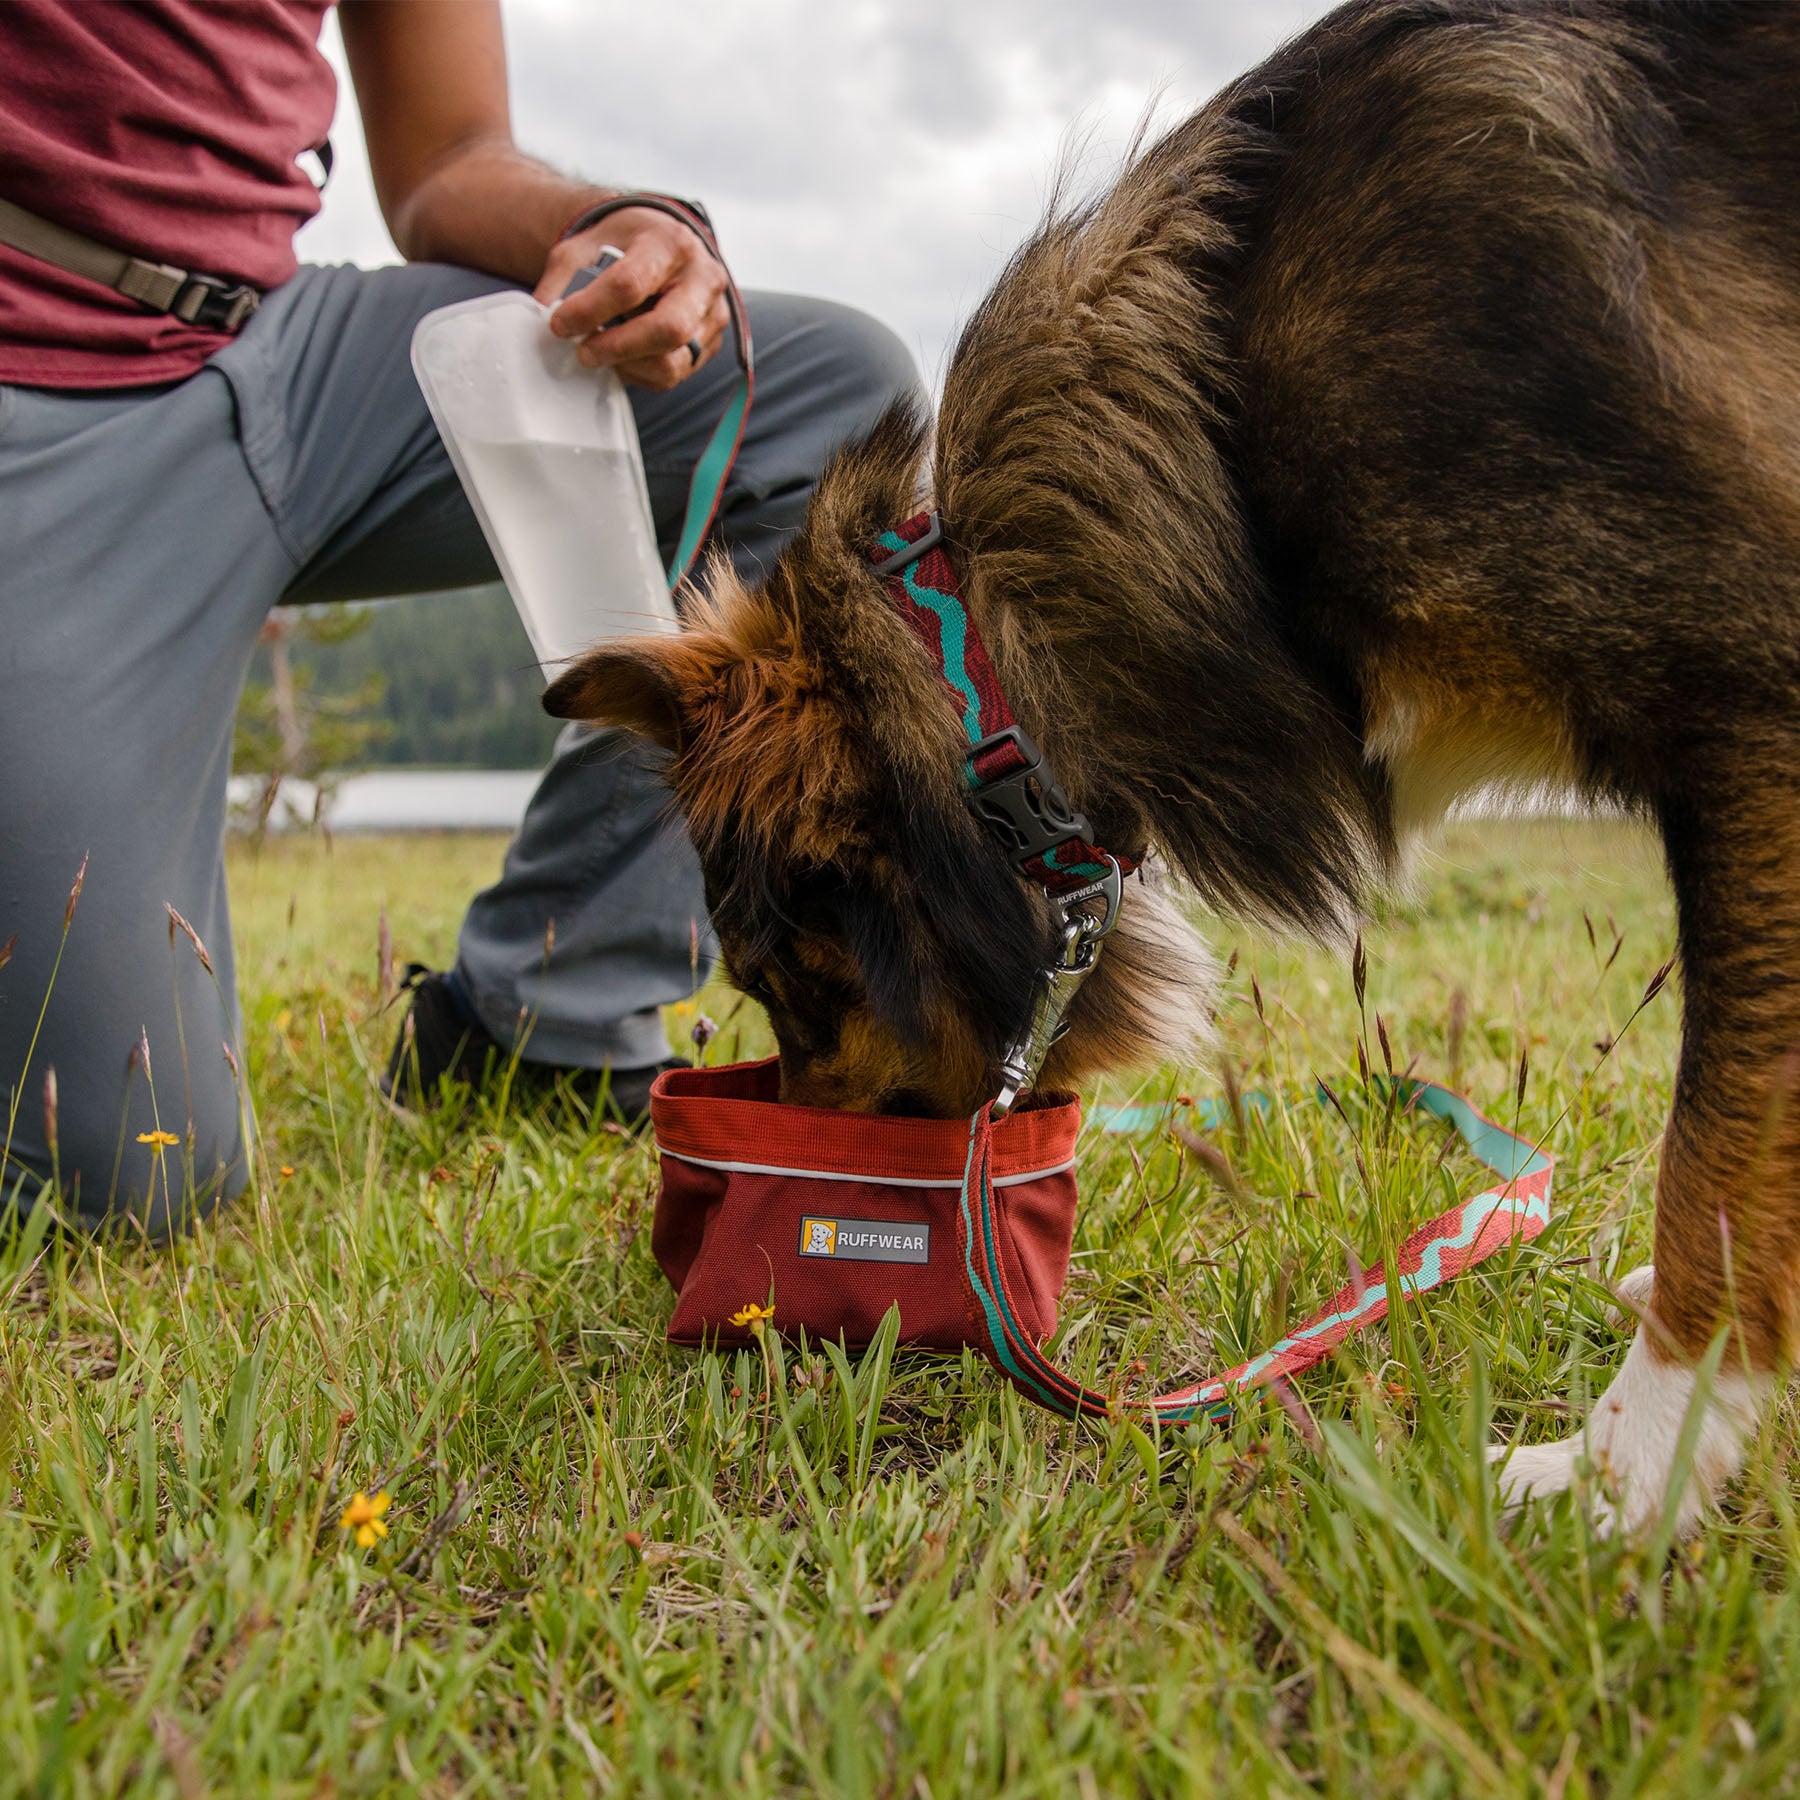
(866, 1240)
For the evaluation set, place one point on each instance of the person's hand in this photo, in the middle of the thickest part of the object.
(663, 263)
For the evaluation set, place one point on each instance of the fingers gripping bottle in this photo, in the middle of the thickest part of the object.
(547, 452)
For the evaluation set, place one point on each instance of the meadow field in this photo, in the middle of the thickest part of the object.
(614, 1566)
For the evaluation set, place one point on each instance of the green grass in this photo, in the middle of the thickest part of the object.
(615, 1564)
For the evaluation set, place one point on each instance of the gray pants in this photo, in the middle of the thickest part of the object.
(144, 535)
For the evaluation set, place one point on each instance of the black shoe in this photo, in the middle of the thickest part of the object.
(439, 1039)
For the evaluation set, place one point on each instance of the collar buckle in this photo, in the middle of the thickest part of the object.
(1024, 806)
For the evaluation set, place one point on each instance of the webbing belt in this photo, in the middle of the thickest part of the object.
(196, 299)
(1511, 1213)
(221, 305)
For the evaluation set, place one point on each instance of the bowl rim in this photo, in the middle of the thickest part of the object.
(737, 1135)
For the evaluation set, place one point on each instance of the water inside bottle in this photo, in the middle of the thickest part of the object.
(549, 506)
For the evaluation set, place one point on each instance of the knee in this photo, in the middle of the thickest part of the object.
(864, 361)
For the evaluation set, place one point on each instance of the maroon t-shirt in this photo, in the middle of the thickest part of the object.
(167, 128)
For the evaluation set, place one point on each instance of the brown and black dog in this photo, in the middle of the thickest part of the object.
(1423, 413)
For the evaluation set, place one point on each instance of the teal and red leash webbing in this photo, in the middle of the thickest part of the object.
(1513, 1212)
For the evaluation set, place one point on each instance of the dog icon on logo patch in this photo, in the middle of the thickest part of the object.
(820, 1238)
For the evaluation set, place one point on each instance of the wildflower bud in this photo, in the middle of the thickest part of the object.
(703, 1032)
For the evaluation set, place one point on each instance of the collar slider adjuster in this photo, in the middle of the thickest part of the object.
(920, 546)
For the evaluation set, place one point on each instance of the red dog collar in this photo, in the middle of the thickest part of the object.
(1011, 787)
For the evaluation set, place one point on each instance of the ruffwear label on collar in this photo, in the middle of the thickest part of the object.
(866, 1240)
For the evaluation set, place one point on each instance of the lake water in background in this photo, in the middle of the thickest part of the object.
(495, 799)
(393, 800)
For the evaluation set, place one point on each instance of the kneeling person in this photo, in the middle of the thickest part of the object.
(179, 455)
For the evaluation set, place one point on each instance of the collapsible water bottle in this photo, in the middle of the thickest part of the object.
(547, 452)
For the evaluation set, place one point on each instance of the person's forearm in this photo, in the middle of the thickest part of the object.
(431, 83)
(488, 206)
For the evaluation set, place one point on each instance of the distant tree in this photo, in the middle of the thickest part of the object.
(436, 680)
(286, 727)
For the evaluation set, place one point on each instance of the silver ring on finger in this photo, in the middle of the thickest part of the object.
(693, 350)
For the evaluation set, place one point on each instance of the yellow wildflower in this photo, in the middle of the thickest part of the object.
(753, 1316)
(159, 1141)
(684, 1009)
(363, 1516)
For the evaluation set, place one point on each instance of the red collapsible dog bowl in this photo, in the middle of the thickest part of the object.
(840, 1215)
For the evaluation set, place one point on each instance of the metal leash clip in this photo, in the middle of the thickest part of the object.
(1056, 984)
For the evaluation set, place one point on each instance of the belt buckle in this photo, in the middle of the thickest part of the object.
(218, 305)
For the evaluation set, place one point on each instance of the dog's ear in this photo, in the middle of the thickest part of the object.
(636, 684)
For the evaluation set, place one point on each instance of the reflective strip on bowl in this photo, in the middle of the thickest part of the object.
(905, 1181)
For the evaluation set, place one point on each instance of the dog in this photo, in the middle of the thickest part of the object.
(1421, 415)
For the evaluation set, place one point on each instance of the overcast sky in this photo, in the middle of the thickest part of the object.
(885, 154)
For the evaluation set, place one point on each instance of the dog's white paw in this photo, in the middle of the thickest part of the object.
(1632, 1291)
(1630, 1444)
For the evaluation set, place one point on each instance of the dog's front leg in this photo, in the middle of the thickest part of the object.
(1728, 1191)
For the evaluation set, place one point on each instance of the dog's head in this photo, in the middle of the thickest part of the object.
(816, 760)
(853, 895)
(889, 941)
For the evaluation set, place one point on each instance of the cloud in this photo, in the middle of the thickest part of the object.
(889, 156)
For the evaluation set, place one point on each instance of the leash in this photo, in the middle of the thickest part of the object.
(706, 490)
(1013, 792)
(1514, 1212)
(1010, 787)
